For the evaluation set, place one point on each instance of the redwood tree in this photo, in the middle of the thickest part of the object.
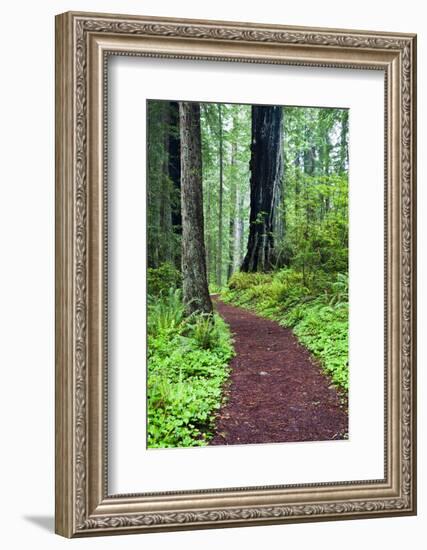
(194, 280)
(266, 176)
(221, 196)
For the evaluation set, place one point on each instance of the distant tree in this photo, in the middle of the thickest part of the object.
(160, 234)
(174, 150)
(343, 141)
(221, 196)
(233, 212)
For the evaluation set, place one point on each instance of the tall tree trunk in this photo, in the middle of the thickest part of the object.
(238, 230)
(174, 170)
(343, 142)
(278, 219)
(309, 170)
(174, 167)
(194, 280)
(266, 175)
(166, 231)
(155, 184)
(244, 231)
(326, 170)
(221, 191)
(208, 237)
(324, 127)
(232, 211)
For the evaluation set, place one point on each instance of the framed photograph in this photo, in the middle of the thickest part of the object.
(235, 274)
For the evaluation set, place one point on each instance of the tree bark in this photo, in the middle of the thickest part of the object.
(232, 212)
(343, 143)
(166, 231)
(156, 155)
(325, 153)
(208, 232)
(266, 175)
(174, 146)
(174, 171)
(195, 285)
(238, 230)
(221, 191)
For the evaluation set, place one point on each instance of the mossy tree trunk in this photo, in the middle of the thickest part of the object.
(195, 286)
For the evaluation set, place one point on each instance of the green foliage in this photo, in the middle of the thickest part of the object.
(165, 314)
(161, 279)
(339, 290)
(187, 367)
(317, 313)
(205, 331)
(214, 288)
(315, 195)
(243, 281)
(323, 329)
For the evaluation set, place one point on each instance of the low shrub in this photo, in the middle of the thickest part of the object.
(161, 279)
(165, 314)
(187, 367)
(243, 281)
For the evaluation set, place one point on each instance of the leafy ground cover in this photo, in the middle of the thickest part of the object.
(316, 309)
(187, 367)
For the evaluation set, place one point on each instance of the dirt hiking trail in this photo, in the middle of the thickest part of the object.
(276, 392)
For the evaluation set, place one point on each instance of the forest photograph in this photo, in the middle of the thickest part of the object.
(247, 274)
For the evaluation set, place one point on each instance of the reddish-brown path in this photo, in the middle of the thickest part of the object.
(276, 392)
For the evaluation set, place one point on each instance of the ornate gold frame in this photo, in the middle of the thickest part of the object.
(83, 42)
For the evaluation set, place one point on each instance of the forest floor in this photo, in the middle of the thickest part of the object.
(276, 391)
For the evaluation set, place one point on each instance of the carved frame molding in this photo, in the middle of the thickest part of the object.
(83, 43)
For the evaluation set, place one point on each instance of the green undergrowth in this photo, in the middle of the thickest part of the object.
(188, 361)
(314, 307)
